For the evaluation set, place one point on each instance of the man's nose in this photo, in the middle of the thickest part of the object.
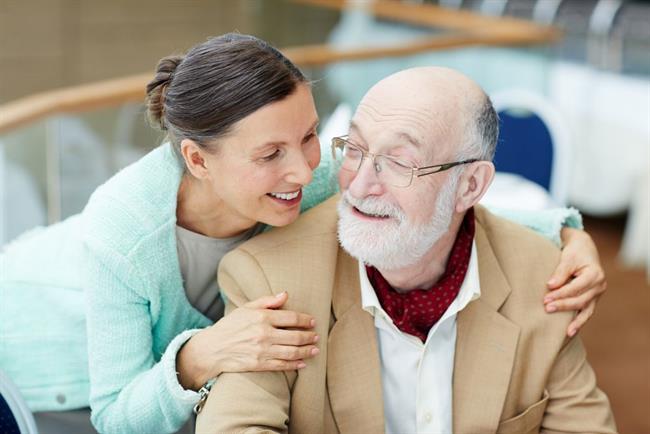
(366, 180)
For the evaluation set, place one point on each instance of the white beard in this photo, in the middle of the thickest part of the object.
(392, 243)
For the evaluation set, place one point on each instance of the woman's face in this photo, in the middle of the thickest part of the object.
(260, 168)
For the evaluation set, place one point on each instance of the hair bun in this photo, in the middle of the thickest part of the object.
(157, 87)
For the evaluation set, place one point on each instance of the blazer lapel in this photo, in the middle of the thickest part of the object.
(353, 367)
(486, 344)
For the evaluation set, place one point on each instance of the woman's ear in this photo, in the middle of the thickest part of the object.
(194, 158)
(474, 182)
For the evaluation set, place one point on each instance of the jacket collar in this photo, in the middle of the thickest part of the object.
(485, 349)
(353, 367)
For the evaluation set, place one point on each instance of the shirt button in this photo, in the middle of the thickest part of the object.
(427, 417)
(60, 398)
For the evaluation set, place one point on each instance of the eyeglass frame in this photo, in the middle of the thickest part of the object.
(414, 170)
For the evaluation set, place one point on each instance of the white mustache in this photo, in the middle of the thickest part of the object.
(373, 205)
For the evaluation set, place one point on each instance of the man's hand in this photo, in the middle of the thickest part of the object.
(579, 279)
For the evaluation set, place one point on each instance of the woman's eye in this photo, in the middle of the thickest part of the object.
(271, 156)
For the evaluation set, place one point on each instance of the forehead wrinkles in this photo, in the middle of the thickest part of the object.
(424, 124)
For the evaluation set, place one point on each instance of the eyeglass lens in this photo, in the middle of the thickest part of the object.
(388, 171)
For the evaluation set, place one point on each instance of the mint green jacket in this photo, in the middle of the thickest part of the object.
(121, 252)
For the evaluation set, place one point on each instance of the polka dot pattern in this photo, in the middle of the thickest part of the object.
(416, 311)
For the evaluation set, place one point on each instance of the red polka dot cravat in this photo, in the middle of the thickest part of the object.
(416, 311)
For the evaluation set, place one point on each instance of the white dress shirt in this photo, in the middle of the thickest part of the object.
(417, 377)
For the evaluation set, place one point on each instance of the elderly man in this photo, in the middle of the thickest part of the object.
(434, 322)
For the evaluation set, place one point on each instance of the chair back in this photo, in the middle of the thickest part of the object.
(533, 141)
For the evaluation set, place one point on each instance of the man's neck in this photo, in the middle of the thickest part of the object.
(429, 269)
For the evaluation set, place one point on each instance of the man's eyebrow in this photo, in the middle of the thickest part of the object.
(401, 135)
(354, 127)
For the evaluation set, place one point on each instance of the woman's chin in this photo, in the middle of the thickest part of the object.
(279, 220)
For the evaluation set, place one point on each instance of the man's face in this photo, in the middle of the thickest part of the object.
(383, 225)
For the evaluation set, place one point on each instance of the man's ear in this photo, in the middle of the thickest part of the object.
(194, 158)
(473, 184)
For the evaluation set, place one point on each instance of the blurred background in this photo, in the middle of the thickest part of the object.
(571, 79)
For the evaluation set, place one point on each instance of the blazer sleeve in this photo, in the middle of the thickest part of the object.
(263, 398)
(575, 404)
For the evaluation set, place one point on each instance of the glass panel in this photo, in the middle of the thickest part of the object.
(23, 183)
(50, 168)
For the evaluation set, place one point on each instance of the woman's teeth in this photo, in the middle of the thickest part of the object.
(286, 196)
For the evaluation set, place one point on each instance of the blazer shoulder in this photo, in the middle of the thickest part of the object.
(527, 261)
(513, 242)
(318, 222)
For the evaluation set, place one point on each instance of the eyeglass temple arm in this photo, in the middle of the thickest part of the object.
(429, 170)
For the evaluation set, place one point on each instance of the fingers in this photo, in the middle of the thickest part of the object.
(281, 365)
(293, 337)
(287, 352)
(573, 303)
(580, 319)
(591, 279)
(572, 288)
(561, 274)
(268, 302)
(288, 318)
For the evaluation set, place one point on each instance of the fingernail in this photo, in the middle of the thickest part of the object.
(548, 299)
(551, 308)
(572, 332)
(301, 365)
(312, 323)
(280, 294)
(314, 351)
(316, 338)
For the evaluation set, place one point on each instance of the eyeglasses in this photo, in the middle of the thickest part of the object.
(390, 170)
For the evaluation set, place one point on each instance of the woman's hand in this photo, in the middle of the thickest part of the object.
(254, 337)
(579, 279)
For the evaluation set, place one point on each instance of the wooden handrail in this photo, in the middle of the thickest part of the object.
(428, 15)
(466, 29)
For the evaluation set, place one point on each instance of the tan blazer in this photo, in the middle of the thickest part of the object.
(514, 371)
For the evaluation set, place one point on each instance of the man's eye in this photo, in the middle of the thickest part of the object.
(271, 156)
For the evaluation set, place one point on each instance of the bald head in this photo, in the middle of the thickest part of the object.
(449, 113)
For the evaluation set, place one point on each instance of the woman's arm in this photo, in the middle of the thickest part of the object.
(131, 392)
(579, 279)
(253, 337)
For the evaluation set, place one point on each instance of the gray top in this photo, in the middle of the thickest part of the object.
(199, 257)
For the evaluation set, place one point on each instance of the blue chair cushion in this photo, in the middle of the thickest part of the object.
(525, 147)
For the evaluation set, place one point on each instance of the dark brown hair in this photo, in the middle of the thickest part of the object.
(201, 95)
